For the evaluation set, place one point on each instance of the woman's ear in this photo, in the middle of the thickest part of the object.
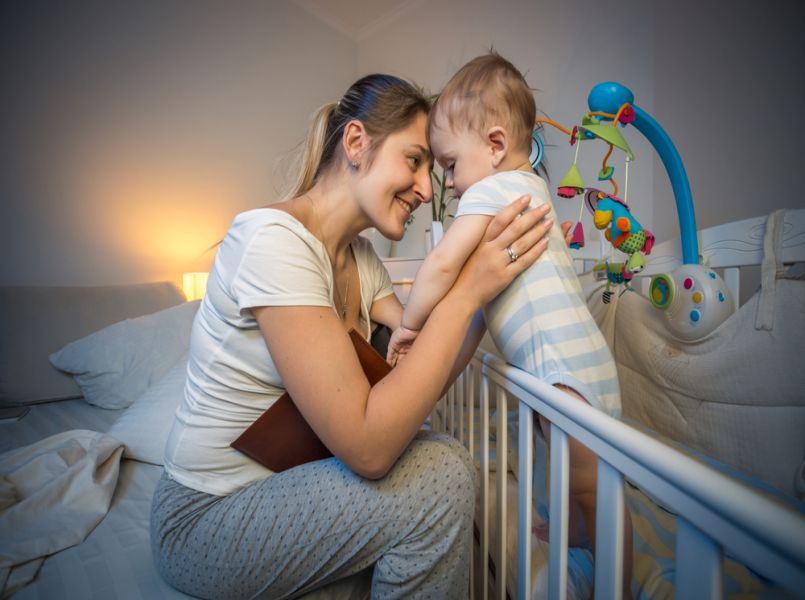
(355, 141)
(498, 142)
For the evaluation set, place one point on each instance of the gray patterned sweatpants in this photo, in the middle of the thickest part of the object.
(303, 528)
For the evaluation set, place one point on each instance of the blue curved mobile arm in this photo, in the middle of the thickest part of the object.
(608, 97)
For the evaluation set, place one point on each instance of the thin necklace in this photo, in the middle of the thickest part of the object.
(332, 266)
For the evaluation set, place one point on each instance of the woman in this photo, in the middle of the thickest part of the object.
(288, 282)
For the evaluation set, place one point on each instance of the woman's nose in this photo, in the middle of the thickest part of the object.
(423, 187)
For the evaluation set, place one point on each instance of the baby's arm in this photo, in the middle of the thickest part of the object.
(441, 268)
(435, 278)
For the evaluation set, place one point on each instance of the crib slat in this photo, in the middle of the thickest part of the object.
(469, 392)
(557, 535)
(484, 484)
(609, 533)
(461, 399)
(453, 412)
(434, 417)
(501, 468)
(698, 563)
(450, 428)
(524, 493)
(468, 400)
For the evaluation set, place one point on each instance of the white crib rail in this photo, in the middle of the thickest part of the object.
(714, 511)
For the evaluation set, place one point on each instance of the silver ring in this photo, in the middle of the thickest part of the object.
(512, 254)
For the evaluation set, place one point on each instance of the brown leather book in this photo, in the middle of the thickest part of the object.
(280, 438)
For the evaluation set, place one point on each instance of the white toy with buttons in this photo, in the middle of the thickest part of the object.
(694, 298)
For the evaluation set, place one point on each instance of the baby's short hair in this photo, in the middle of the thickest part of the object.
(488, 91)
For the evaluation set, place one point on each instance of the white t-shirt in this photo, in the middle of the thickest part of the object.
(268, 258)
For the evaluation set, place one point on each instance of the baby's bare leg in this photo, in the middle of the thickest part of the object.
(583, 487)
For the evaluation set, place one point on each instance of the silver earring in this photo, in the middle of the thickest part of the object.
(354, 164)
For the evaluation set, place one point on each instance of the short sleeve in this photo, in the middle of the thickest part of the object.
(279, 268)
(486, 197)
(494, 193)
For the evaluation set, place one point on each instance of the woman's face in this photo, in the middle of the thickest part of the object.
(398, 180)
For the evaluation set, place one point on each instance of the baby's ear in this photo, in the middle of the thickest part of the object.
(498, 141)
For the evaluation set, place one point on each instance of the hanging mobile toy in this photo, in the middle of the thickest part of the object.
(623, 231)
(572, 184)
(693, 297)
(617, 274)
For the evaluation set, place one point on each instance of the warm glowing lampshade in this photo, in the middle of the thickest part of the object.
(194, 285)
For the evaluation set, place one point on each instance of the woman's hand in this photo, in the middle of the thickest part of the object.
(513, 242)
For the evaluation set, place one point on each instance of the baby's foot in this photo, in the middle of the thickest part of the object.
(541, 531)
(576, 537)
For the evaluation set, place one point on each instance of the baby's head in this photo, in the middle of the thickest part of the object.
(482, 121)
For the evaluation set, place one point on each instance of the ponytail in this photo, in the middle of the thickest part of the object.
(311, 157)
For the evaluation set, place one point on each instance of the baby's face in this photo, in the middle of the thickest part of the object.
(463, 154)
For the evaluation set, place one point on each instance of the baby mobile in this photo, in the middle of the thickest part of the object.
(693, 297)
(611, 212)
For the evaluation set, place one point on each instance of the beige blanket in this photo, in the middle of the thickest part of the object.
(52, 495)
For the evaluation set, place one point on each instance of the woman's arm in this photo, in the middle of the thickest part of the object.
(441, 268)
(368, 428)
(387, 311)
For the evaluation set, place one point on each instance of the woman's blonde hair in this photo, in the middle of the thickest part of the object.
(383, 103)
(488, 91)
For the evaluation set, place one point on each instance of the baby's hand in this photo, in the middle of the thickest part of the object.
(400, 343)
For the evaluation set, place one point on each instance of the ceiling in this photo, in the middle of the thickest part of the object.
(356, 18)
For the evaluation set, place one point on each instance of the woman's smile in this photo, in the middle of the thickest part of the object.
(408, 206)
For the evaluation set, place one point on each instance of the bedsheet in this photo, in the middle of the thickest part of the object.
(114, 562)
(65, 478)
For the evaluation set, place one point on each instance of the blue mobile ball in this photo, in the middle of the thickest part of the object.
(608, 97)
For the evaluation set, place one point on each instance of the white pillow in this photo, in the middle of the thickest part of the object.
(114, 366)
(144, 426)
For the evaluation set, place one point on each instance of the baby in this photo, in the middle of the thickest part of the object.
(480, 134)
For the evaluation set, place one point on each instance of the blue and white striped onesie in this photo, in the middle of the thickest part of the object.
(540, 322)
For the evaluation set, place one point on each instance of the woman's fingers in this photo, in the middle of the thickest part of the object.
(511, 244)
(506, 217)
(530, 256)
(529, 238)
(515, 225)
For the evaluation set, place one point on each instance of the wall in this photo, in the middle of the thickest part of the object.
(135, 131)
(728, 88)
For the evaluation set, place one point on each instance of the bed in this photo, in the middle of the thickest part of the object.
(123, 354)
(709, 528)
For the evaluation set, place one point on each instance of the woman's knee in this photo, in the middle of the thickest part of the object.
(446, 465)
(454, 450)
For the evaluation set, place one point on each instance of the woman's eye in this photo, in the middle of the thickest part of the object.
(414, 161)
